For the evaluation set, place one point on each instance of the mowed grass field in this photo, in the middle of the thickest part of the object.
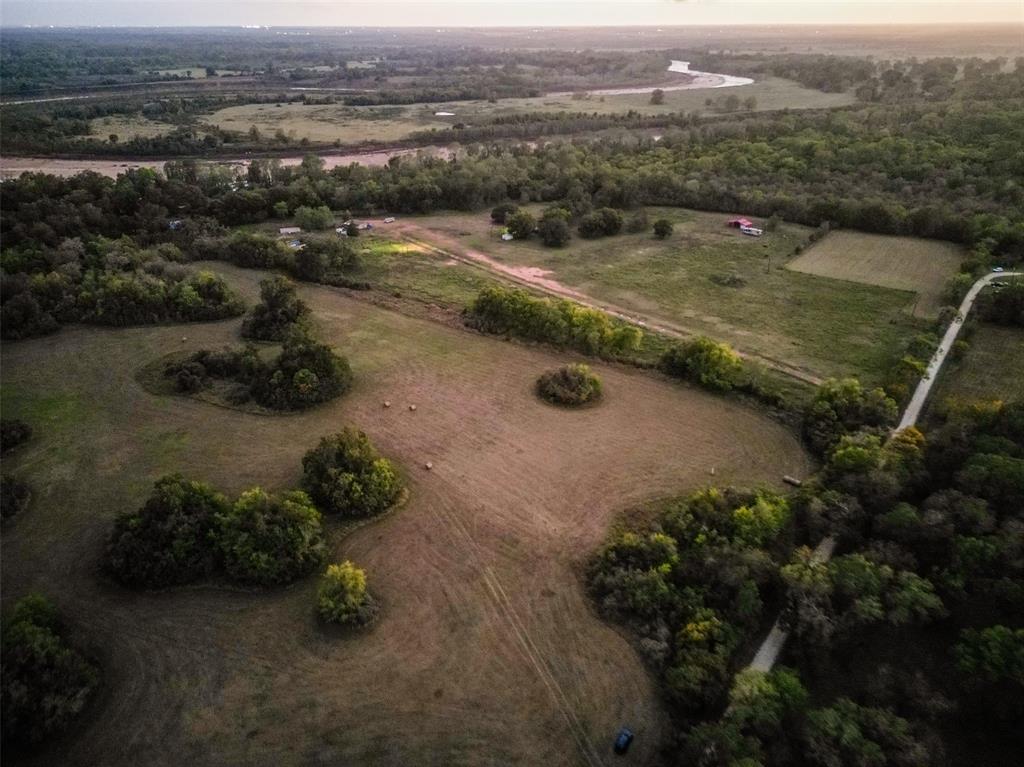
(821, 326)
(488, 651)
(992, 368)
(352, 124)
(903, 263)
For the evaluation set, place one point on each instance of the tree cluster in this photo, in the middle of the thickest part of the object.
(305, 373)
(513, 312)
(693, 588)
(187, 531)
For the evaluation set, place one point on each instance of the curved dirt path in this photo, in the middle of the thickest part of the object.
(924, 386)
(539, 279)
(488, 651)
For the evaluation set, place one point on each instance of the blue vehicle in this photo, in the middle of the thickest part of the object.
(622, 740)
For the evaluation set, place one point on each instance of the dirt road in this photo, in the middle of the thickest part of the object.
(539, 279)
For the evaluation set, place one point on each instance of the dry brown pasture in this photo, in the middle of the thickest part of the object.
(488, 651)
(903, 263)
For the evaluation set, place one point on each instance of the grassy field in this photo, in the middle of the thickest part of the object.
(488, 651)
(327, 123)
(992, 368)
(351, 124)
(127, 127)
(822, 326)
(903, 263)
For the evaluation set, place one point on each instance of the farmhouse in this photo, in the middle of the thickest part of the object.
(739, 223)
(289, 230)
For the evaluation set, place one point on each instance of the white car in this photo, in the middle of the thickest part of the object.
(389, 220)
(997, 269)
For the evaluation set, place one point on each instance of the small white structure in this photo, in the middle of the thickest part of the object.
(364, 226)
(389, 220)
(753, 231)
(289, 230)
(507, 237)
(342, 231)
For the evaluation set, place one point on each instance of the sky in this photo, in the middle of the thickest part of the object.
(430, 13)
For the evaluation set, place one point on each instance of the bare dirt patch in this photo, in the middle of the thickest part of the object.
(487, 652)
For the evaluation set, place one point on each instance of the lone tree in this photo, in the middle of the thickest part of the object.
(657, 96)
(662, 228)
(572, 385)
(345, 475)
(342, 597)
(278, 312)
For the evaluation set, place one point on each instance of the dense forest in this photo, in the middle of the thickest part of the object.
(910, 632)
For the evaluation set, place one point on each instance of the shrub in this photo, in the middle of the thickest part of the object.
(600, 223)
(571, 385)
(342, 597)
(44, 683)
(711, 364)
(171, 540)
(15, 497)
(305, 373)
(13, 432)
(278, 312)
(267, 540)
(554, 231)
(345, 475)
(320, 217)
(663, 228)
(501, 213)
(521, 225)
(195, 372)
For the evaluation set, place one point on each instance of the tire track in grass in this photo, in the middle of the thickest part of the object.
(528, 647)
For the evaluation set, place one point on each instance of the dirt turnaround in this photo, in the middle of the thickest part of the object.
(488, 651)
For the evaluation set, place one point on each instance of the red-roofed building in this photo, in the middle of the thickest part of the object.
(739, 223)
